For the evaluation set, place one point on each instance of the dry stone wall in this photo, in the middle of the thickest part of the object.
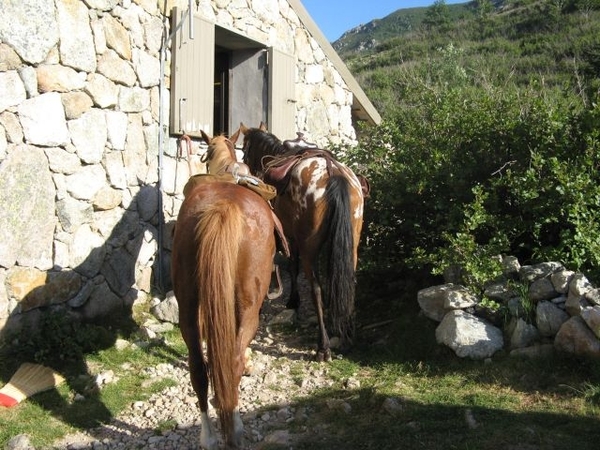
(83, 212)
(532, 310)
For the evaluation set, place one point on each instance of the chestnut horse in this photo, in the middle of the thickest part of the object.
(220, 156)
(223, 250)
(320, 205)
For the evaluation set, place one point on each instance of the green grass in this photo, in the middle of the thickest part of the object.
(51, 415)
(515, 403)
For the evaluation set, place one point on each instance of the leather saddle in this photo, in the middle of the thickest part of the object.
(277, 168)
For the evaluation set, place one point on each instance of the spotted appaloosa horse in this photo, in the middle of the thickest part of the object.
(223, 250)
(320, 204)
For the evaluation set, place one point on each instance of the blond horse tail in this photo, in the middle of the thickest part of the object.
(218, 234)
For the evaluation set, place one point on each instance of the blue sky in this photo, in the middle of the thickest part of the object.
(334, 17)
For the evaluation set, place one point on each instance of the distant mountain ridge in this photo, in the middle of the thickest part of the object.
(552, 43)
(367, 36)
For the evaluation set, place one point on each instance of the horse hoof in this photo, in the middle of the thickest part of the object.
(248, 370)
(323, 355)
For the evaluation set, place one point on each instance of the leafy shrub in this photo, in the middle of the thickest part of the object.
(466, 167)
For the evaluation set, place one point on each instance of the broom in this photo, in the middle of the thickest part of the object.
(29, 379)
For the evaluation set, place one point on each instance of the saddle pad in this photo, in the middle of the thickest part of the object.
(266, 191)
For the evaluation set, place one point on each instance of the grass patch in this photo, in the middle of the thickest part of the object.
(441, 401)
(80, 352)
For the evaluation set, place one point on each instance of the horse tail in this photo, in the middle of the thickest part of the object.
(340, 258)
(218, 234)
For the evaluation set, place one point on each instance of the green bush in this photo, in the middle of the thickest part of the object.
(466, 167)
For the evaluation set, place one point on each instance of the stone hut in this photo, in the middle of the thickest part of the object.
(96, 98)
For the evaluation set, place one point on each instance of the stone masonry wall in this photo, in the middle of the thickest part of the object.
(80, 198)
(527, 311)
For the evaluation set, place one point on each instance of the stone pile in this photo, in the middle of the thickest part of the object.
(533, 310)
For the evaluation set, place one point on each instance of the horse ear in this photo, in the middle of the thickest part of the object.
(234, 137)
(244, 129)
(205, 137)
(262, 126)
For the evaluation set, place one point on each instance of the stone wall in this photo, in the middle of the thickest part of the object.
(530, 310)
(83, 211)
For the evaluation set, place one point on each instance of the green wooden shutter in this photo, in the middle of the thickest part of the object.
(192, 77)
(282, 94)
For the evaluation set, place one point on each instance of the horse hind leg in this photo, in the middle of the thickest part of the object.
(208, 435)
(235, 440)
(323, 351)
(199, 377)
(294, 300)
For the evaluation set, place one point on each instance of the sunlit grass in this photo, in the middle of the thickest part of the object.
(442, 402)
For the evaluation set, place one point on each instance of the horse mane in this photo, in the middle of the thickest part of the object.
(263, 144)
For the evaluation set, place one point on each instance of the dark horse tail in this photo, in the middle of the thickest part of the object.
(340, 259)
(218, 234)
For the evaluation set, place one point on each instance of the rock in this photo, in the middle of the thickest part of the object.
(278, 438)
(89, 134)
(561, 279)
(510, 266)
(27, 225)
(285, 317)
(542, 289)
(19, 442)
(549, 318)
(591, 316)
(32, 29)
(500, 292)
(537, 271)
(339, 405)
(58, 78)
(76, 40)
(43, 120)
(470, 419)
(167, 310)
(576, 338)
(576, 300)
(392, 406)
(468, 335)
(523, 335)
(437, 300)
(535, 351)
(12, 89)
(107, 198)
(593, 296)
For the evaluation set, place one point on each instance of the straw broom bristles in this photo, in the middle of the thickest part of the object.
(29, 379)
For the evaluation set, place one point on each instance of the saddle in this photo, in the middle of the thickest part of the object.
(266, 191)
(278, 168)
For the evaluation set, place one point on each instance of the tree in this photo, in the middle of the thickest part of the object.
(484, 8)
(437, 15)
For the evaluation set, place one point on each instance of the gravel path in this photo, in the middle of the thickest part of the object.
(283, 370)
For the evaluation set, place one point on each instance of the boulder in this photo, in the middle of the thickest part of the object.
(469, 336)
